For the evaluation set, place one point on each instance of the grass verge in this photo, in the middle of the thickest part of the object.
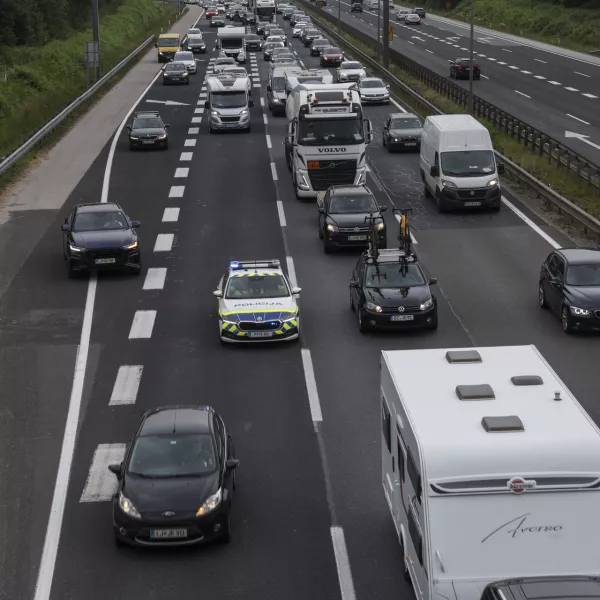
(568, 185)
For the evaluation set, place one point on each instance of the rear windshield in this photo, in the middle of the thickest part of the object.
(332, 51)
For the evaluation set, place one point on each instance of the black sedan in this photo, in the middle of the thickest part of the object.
(175, 73)
(570, 287)
(391, 291)
(461, 67)
(176, 481)
(318, 45)
(402, 131)
(148, 130)
(217, 21)
(100, 236)
(356, 7)
(253, 42)
(343, 216)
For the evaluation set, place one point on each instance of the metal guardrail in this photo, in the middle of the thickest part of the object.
(37, 137)
(540, 143)
(589, 224)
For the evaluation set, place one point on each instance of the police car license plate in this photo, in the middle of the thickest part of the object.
(357, 238)
(260, 334)
(402, 318)
(472, 203)
(104, 261)
(168, 533)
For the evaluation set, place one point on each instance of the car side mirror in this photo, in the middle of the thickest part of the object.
(296, 291)
(434, 171)
(250, 102)
(321, 210)
(232, 463)
(135, 224)
(433, 281)
(501, 169)
(218, 294)
(387, 86)
(269, 88)
(116, 469)
(156, 45)
(382, 208)
(167, 126)
(206, 104)
(129, 127)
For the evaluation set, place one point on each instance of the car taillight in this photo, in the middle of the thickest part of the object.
(460, 68)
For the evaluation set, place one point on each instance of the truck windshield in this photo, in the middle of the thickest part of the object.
(228, 44)
(325, 132)
(168, 42)
(228, 99)
(472, 163)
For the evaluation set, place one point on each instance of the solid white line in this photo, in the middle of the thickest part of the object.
(190, 142)
(522, 94)
(484, 76)
(193, 130)
(311, 386)
(571, 89)
(274, 171)
(501, 63)
(256, 85)
(589, 95)
(577, 119)
(181, 172)
(171, 215)
(176, 191)
(343, 563)
(505, 50)
(186, 156)
(142, 325)
(582, 74)
(542, 61)
(155, 278)
(101, 484)
(291, 271)
(269, 146)
(47, 565)
(282, 220)
(126, 385)
(531, 224)
(164, 242)
(265, 119)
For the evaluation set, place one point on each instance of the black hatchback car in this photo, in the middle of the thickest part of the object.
(100, 236)
(461, 67)
(356, 7)
(570, 287)
(391, 291)
(176, 481)
(253, 42)
(402, 131)
(344, 217)
(148, 130)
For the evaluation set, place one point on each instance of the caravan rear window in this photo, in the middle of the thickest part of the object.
(413, 473)
(415, 534)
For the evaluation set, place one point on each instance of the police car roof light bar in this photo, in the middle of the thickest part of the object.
(255, 264)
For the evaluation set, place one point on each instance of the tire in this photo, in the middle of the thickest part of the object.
(383, 142)
(327, 247)
(351, 302)
(566, 320)
(426, 191)
(361, 325)
(210, 129)
(225, 537)
(433, 326)
(119, 543)
(71, 273)
(405, 569)
(496, 207)
(321, 236)
(440, 204)
(542, 296)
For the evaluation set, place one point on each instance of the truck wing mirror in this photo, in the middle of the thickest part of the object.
(501, 169)
(250, 102)
(434, 171)
(206, 104)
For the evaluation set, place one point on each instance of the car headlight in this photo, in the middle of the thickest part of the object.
(427, 304)
(492, 183)
(448, 184)
(331, 228)
(210, 504)
(127, 507)
(162, 136)
(184, 74)
(244, 113)
(381, 227)
(131, 246)
(580, 312)
(76, 248)
(276, 101)
(214, 113)
(395, 139)
(134, 137)
(374, 307)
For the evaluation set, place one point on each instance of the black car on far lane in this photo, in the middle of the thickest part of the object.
(461, 67)
(420, 12)
(402, 131)
(343, 216)
(570, 287)
(389, 292)
(148, 130)
(176, 481)
(356, 7)
(100, 236)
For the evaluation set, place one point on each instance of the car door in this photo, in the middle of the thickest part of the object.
(357, 275)
(556, 285)
(323, 215)
(386, 129)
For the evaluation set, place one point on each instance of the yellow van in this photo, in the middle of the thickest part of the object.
(168, 44)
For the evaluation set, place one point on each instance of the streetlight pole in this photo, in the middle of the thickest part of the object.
(379, 28)
(339, 17)
(385, 34)
(471, 44)
(96, 26)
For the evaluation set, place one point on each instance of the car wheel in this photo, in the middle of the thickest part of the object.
(71, 272)
(119, 543)
(542, 296)
(351, 301)
(434, 325)
(565, 320)
(362, 326)
(210, 129)
(439, 203)
(496, 206)
(383, 140)
(426, 191)
(321, 236)
(226, 534)
(327, 247)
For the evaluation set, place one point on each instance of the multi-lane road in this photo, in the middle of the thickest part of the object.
(310, 519)
(554, 90)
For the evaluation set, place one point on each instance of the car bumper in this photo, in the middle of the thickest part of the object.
(459, 199)
(343, 240)
(243, 123)
(379, 100)
(332, 63)
(588, 324)
(198, 49)
(383, 321)
(253, 47)
(231, 334)
(401, 145)
(167, 81)
(152, 143)
(123, 259)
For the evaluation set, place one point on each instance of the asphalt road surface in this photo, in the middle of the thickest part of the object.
(554, 91)
(309, 519)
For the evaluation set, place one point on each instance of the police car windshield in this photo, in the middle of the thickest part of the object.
(390, 276)
(228, 100)
(257, 286)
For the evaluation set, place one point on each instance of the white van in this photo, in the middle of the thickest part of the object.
(490, 468)
(458, 166)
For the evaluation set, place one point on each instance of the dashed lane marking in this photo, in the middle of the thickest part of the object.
(155, 278)
(164, 242)
(262, 102)
(291, 271)
(571, 89)
(582, 74)
(196, 120)
(269, 146)
(265, 119)
(281, 214)
(142, 325)
(311, 388)
(589, 95)
(176, 191)
(555, 83)
(186, 156)
(274, 171)
(101, 484)
(540, 61)
(181, 172)
(126, 385)
(190, 142)
(193, 131)
(171, 215)
(342, 562)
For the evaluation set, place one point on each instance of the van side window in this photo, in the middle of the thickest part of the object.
(413, 473)
(386, 423)
(401, 454)
(415, 534)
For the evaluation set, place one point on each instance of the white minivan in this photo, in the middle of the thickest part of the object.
(458, 165)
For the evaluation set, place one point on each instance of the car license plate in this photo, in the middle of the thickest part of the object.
(148, 142)
(356, 238)
(105, 261)
(472, 203)
(402, 318)
(161, 534)
(260, 334)
(410, 144)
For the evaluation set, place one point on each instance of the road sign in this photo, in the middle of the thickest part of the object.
(391, 33)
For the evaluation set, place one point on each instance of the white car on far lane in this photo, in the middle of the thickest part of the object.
(350, 70)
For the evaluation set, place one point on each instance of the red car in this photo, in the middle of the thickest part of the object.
(331, 56)
(212, 12)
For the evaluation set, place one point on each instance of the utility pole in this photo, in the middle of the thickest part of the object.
(339, 17)
(379, 29)
(385, 34)
(471, 44)
(96, 21)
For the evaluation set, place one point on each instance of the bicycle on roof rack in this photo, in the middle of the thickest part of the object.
(404, 238)
(374, 227)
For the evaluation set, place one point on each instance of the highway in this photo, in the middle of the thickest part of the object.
(309, 519)
(553, 91)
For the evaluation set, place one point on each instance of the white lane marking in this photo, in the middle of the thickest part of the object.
(47, 564)
(539, 77)
(505, 50)
(202, 96)
(199, 111)
(142, 325)
(181, 172)
(482, 55)
(400, 108)
(526, 72)
(582, 74)
(193, 131)
(171, 215)
(101, 484)
(176, 191)
(164, 242)
(542, 61)
(589, 95)
(492, 59)
(256, 85)
(281, 214)
(190, 142)
(186, 156)
(291, 271)
(274, 171)
(413, 239)
(343, 563)
(155, 278)
(484, 76)
(409, 42)
(464, 49)
(311, 386)
(430, 51)
(262, 102)
(196, 120)
(126, 385)
(501, 63)
(531, 224)
(555, 83)
(269, 146)
(571, 89)
(522, 94)
(265, 119)
(512, 67)
(577, 119)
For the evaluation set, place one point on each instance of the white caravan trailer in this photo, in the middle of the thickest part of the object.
(491, 469)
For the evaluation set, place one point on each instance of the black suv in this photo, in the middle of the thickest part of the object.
(356, 7)
(459, 69)
(148, 130)
(419, 11)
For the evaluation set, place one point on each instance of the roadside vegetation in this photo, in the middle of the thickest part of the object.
(41, 80)
(572, 24)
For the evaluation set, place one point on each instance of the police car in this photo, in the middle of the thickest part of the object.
(257, 303)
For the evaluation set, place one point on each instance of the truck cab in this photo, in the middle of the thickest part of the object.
(228, 103)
